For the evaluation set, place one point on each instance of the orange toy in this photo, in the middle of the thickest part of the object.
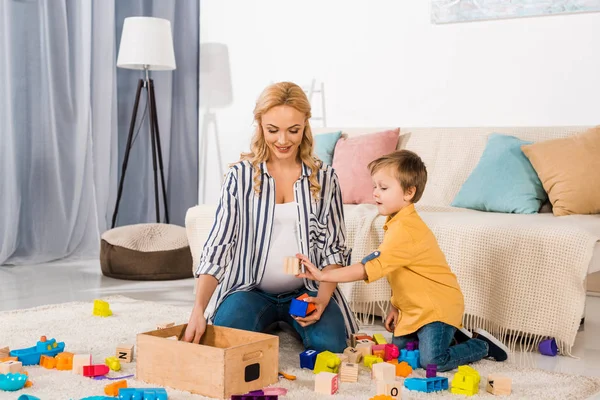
(403, 369)
(9, 359)
(64, 361)
(113, 388)
(28, 382)
(47, 362)
(311, 306)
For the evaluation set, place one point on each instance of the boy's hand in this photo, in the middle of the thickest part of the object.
(310, 271)
(392, 319)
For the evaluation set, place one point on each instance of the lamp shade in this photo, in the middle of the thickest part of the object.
(146, 42)
(215, 76)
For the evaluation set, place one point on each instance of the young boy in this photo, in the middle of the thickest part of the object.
(427, 303)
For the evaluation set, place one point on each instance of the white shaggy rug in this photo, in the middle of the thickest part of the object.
(74, 324)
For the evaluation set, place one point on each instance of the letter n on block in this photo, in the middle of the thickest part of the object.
(125, 353)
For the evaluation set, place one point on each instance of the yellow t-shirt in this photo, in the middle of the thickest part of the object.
(424, 288)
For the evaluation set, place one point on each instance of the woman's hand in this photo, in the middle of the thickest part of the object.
(392, 319)
(321, 304)
(196, 326)
(310, 271)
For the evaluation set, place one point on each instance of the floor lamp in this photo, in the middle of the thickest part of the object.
(146, 44)
(215, 93)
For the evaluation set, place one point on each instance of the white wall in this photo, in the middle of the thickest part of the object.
(385, 64)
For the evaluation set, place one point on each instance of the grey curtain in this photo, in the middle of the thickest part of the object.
(64, 118)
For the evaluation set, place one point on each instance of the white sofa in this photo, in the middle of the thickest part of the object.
(523, 276)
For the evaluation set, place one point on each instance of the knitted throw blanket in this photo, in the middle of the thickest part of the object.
(522, 278)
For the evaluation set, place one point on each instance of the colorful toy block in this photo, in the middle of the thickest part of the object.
(383, 372)
(364, 346)
(101, 309)
(125, 353)
(403, 369)
(411, 357)
(165, 325)
(48, 362)
(264, 394)
(370, 360)
(390, 352)
(379, 339)
(389, 388)
(327, 383)
(112, 389)
(113, 363)
(291, 265)
(11, 367)
(301, 308)
(64, 361)
(465, 381)
(358, 336)
(431, 371)
(308, 359)
(378, 350)
(349, 372)
(499, 385)
(414, 345)
(327, 362)
(95, 370)
(142, 393)
(426, 385)
(343, 358)
(354, 356)
(79, 361)
(382, 397)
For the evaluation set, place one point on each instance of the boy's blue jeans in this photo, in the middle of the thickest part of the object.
(434, 347)
(256, 311)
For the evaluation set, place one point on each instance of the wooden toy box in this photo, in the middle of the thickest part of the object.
(227, 361)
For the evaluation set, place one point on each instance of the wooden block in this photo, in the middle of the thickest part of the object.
(354, 338)
(379, 339)
(364, 346)
(354, 356)
(9, 359)
(499, 385)
(343, 357)
(8, 367)
(165, 325)
(349, 372)
(326, 383)
(390, 388)
(79, 361)
(291, 265)
(4, 352)
(383, 372)
(125, 353)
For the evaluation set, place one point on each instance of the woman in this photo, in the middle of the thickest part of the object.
(278, 201)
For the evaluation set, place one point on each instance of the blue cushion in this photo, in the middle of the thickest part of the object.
(325, 145)
(503, 181)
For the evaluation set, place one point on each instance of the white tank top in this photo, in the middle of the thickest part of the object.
(284, 243)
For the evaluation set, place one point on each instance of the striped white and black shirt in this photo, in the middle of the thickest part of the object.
(237, 247)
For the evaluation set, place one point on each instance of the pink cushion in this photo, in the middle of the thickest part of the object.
(351, 158)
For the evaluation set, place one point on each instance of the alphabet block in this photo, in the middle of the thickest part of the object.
(125, 353)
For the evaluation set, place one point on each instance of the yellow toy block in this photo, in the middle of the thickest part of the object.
(327, 362)
(465, 381)
(370, 360)
(379, 339)
(101, 309)
(113, 363)
(47, 362)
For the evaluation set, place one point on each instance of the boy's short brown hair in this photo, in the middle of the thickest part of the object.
(408, 167)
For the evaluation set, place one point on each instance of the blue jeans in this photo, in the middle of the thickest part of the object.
(434, 347)
(256, 311)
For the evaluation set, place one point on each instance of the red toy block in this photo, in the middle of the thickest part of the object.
(95, 370)
(391, 352)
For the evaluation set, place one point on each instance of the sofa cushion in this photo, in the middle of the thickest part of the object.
(325, 146)
(503, 180)
(351, 159)
(569, 169)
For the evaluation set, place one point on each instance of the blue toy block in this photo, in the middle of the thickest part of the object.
(142, 394)
(298, 308)
(411, 357)
(426, 385)
(308, 359)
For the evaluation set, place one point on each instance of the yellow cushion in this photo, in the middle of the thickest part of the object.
(569, 169)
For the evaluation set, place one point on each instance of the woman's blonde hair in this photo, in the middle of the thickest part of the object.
(280, 94)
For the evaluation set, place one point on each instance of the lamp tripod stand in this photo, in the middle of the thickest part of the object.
(148, 85)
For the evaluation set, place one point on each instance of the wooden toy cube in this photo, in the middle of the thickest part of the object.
(47, 362)
(165, 325)
(4, 352)
(327, 362)
(354, 338)
(370, 360)
(79, 361)
(499, 385)
(354, 356)
(113, 363)
(326, 383)
(378, 350)
(125, 353)
(101, 309)
(343, 357)
(9, 359)
(390, 388)
(291, 265)
(308, 359)
(349, 372)
(113, 388)
(383, 372)
(8, 367)
(379, 339)
(364, 346)
(403, 369)
(64, 361)
(391, 352)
